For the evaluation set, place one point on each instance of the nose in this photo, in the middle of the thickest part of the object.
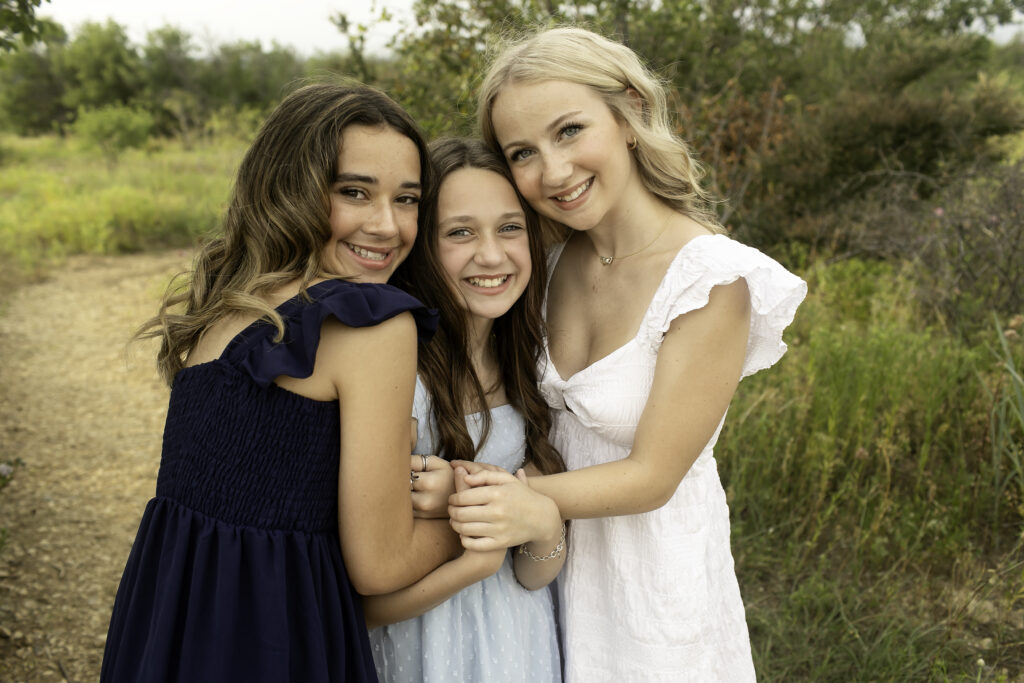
(383, 223)
(489, 251)
(557, 169)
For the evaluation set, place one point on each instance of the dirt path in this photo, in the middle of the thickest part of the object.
(81, 421)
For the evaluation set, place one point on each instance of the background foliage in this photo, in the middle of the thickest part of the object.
(876, 477)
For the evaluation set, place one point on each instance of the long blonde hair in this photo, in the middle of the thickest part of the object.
(278, 219)
(666, 165)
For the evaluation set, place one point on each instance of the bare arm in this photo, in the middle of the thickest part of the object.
(374, 370)
(435, 587)
(698, 369)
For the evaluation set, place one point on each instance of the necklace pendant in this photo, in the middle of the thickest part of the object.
(606, 260)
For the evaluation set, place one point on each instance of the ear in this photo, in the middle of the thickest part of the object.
(637, 100)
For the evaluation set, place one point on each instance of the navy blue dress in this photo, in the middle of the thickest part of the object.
(236, 573)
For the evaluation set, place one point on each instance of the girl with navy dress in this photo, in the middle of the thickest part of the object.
(479, 261)
(283, 484)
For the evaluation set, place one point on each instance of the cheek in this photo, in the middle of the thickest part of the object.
(524, 180)
(451, 263)
(410, 226)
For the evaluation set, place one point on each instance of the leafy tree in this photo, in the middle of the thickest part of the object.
(170, 74)
(241, 74)
(101, 67)
(32, 85)
(114, 129)
(18, 19)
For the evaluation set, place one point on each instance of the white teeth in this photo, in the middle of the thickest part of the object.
(371, 255)
(487, 281)
(575, 193)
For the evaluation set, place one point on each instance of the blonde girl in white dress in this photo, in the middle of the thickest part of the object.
(653, 317)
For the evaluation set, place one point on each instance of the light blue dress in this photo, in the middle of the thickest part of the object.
(494, 631)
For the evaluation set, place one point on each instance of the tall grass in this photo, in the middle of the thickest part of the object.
(875, 486)
(58, 199)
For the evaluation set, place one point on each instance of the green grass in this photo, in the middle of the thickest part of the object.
(875, 485)
(59, 198)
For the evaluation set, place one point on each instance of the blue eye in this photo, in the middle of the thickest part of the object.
(519, 155)
(510, 227)
(570, 130)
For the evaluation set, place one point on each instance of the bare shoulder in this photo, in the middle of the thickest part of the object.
(348, 350)
(727, 314)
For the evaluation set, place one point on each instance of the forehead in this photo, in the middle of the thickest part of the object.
(476, 192)
(525, 105)
(365, 148)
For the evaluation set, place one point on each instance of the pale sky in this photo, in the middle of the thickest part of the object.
(302, 24)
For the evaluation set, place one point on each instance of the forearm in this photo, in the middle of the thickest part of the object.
(622, 487)
(433, 543)
(424, 595)
(535, 573)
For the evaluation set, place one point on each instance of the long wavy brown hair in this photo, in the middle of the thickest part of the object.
(445, 365)
(278, 218)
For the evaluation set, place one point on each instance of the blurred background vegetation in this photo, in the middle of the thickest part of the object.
(876, 477)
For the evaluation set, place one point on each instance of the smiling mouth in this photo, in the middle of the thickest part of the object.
(365, 253)
(575, 194)
(488, 282)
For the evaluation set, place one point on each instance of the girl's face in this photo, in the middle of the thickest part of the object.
(567, 151)
(374, 203)
(482, 241)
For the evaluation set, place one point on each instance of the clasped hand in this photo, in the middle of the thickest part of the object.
(499, 510)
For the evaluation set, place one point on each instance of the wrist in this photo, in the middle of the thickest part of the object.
(539, 551)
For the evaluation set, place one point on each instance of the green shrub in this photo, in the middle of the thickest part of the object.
(114, 128)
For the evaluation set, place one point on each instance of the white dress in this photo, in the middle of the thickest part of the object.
(653, 596)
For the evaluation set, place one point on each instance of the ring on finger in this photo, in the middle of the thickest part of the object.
(424, 461)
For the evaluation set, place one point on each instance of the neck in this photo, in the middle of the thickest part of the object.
(631, 230)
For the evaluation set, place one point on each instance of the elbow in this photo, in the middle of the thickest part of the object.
(656, 498)
(376, 580)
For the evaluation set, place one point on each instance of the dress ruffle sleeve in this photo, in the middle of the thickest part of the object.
(708, 261)
(354, 304)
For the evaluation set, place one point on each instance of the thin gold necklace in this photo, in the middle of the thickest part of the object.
(607, 260)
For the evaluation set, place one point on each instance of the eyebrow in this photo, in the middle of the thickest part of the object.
(468, 219)
(370, 180)
(550, 127)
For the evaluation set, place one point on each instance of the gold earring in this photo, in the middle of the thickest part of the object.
(632, 144)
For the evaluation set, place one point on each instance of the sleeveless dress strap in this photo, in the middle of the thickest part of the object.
(355, 304)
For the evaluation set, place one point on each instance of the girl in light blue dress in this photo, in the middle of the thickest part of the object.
(485, 616)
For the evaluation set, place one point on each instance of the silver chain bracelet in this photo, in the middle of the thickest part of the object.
(550, 556)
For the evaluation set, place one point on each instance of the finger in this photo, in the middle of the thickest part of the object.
(460, 480)
(475, 529)
(482, 544)
(416, 463)
(489, 478)
(435, 463)
(476, 513)
(473, 496)
(521, 475)
(473, 467)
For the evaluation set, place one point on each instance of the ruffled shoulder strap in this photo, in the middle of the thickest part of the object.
(711, 260)
(356, 304)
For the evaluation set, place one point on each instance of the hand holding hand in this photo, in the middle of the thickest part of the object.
(484, 562)
(501, 511)
(434, 483)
